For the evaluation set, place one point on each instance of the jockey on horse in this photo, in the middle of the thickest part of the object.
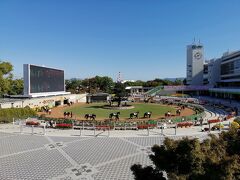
(116, 115)
(147, 114)
(91, 116)
(135, 114)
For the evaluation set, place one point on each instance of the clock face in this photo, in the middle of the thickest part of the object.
(198, 55)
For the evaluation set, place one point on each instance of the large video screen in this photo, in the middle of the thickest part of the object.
(44, 79)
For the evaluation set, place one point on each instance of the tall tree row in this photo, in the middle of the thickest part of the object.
(105, 84)
(9, 85)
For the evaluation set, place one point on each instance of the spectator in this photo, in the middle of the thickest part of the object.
(201, 121)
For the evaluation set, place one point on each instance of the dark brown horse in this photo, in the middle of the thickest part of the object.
(135, 114)
(147, 114)
(90, 116)
(115, 115)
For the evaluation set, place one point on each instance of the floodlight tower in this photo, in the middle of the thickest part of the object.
(119, 79)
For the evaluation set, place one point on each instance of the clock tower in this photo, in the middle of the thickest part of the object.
(195, 61)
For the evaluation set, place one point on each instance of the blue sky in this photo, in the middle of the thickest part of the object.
(143, 39)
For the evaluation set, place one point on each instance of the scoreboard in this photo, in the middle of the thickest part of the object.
(38, 79)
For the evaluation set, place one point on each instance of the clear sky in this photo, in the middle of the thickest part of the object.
(143, 39)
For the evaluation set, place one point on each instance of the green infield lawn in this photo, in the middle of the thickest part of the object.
(96, 108)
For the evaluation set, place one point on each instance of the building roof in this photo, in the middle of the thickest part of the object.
(7, 100)
(134, 87)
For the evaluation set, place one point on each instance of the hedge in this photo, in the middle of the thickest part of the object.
(7, 115)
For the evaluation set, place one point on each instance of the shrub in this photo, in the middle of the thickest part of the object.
(142, 126)
(237, 120)
(63, 126)
(184, 124)
(213, 121)
(32, 123)
(234, 125)
(7, 115)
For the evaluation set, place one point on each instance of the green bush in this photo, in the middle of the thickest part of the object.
(235, 125)
(7, 115)
(237, 120)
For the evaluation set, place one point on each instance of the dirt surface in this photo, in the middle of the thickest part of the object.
(57, 112)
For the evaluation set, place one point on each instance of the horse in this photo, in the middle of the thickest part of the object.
(178, 112)
(116, 115)
(135, 114)
(147, 114)
(66, 114)
(168, 114)
(183, 107)
(91, 116)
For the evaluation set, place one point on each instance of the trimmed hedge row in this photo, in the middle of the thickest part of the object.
(7, 115)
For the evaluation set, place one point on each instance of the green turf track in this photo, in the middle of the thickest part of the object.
(96, 108)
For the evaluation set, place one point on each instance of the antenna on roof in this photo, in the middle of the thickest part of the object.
(194, 41)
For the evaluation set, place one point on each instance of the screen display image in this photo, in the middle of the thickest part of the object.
(44, 79)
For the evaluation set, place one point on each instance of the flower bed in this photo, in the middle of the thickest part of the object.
(103, 127)
(184, 124)
(145, 126)
(32, 123)
(213, 121)
(142, 126)
(63, 126)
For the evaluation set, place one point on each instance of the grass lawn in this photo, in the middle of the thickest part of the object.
(96, 108)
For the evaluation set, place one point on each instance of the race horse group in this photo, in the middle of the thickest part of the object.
(178, 113)
(133, 115)
(116, 115)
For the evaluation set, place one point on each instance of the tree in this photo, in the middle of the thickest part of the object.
(187, 159)
(73, 85)
(5, 77)
(104, 84)
(146, 173)
(16, 86)
(156, 82)
(98, 84)
(178, 82)
(120, 92)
